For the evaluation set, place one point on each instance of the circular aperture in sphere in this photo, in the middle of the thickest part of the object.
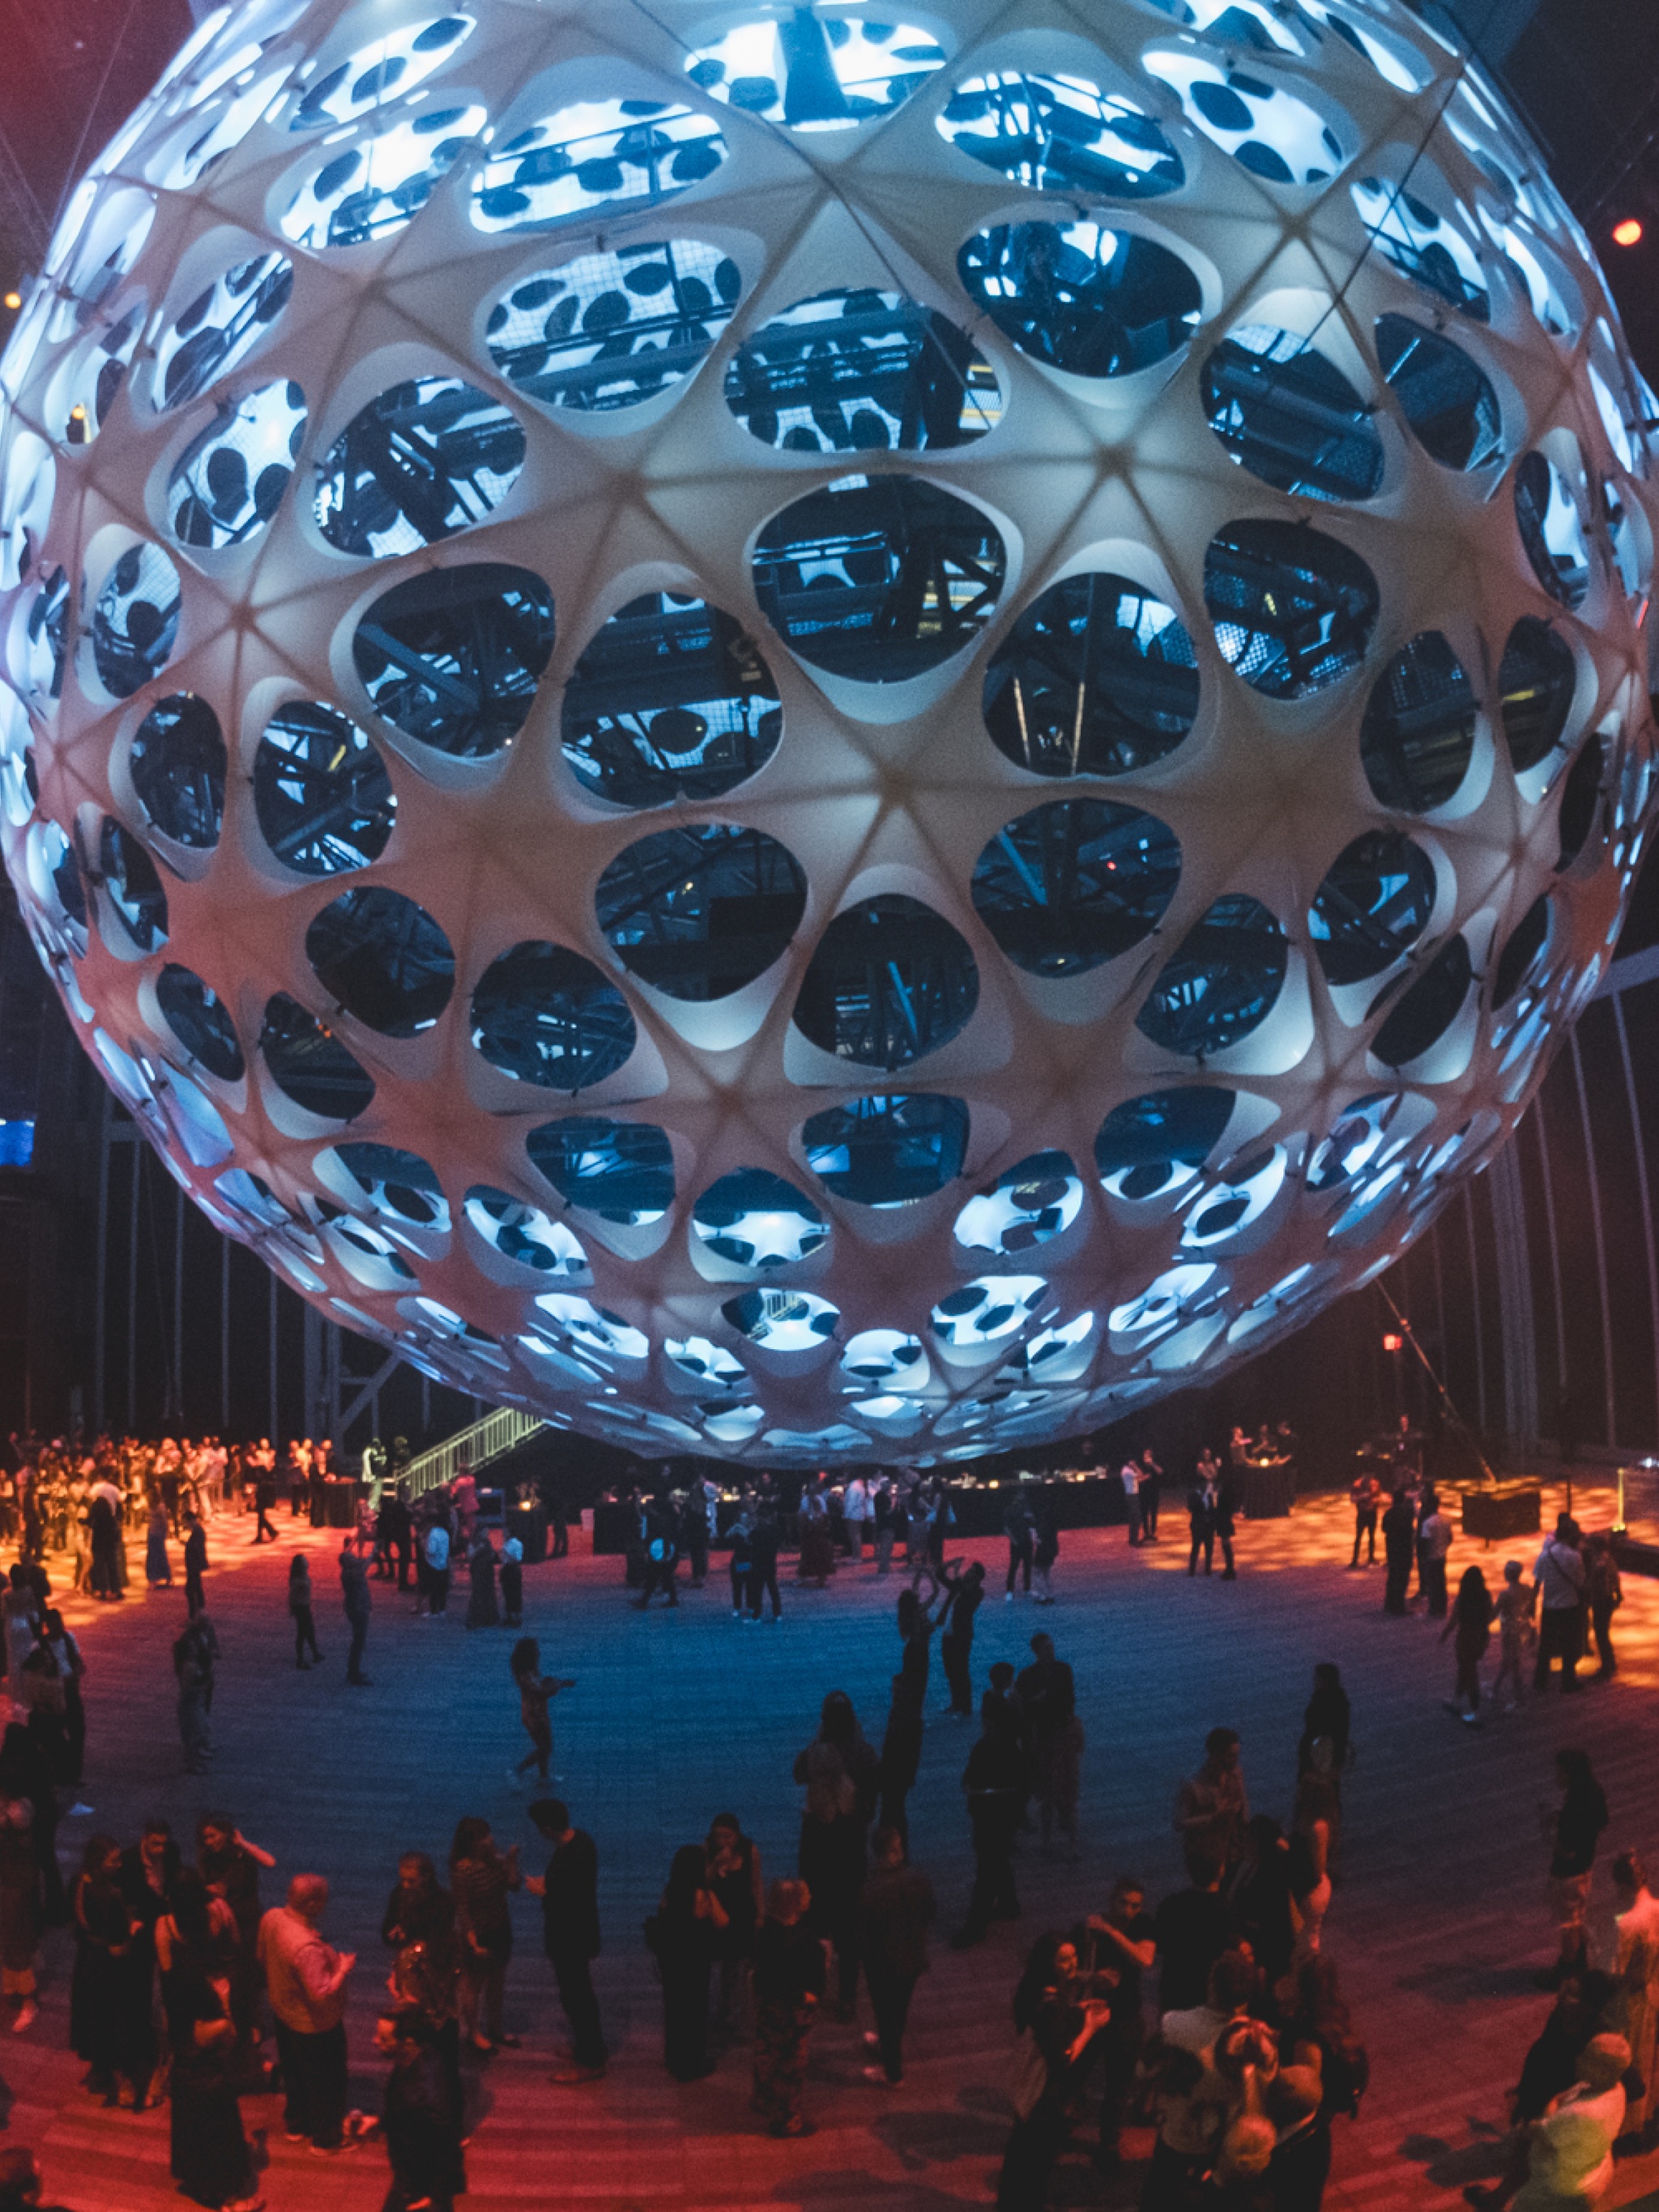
(545, 1015)
(1096, 677)
(890, 981)
(702, 910)
(1073, 884)
(177, 763)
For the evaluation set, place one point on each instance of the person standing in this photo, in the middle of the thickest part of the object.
(1366, 1493)
(1558, 1579)
(1573, 1829)
(210, 2156)
(1130, 1476)
(842, 1776)
(513, 1584)
(1434, 1536)
(1017, 1527)
(884, 1508)
(1120, 1944)
(1212, 1808)
(733, 1875)
(856, 1510)
(306, 1979)
(1398, 1530)
(434, 1554)
(1515, 1601)
(355, 1603)
(994, 1781)
(966, 1590)
(99, 2015)
(1471, 1623)
(196, 1559)
(1060, 2030)
(1152, 1484)
(1046, 1547)
(399, 1531)
(763, 1563)
(683, 1934)
(420, 2117)
(300, 1609)
(789, 1984)
(537, 1692)
(158, 1568)
(1604, 1593)
(1224, 1509)
(264, 1497)
(570, 1891)
(895, 1911)
(419, 1926)
(483, 1610)
(481, 1879)
(1636, 1969)
(901, 1744)
(1047, 1695)
(1200, 1517)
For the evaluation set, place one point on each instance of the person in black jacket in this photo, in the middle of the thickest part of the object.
(789, 1983)
(994, 1782)
(196, 1559)
(420, 2118)
(763, 1563)
(1398, 1537)
(956, 1643)
(895, 1913)
(569, 1892)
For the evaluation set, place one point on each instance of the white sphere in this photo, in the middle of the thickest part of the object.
(815, 737)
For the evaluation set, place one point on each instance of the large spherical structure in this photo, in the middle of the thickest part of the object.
(819, 737)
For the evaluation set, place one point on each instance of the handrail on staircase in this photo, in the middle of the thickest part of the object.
(485, 1440)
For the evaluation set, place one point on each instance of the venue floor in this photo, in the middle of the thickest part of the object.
(1439, 1922)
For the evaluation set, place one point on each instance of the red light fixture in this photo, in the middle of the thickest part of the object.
(1392, 1343)
(1627, 232)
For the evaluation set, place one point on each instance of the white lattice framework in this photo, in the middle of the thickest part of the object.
(1265, 313)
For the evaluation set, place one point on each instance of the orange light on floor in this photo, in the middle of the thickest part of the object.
(1627, 232)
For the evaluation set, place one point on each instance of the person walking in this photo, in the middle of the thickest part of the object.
(570, 1891)
(1471, 1623)
(306, 1981)
(1604, 1593)
(842, 1776)
(355, 1603)
(420, 2117)
(1515, 1632)
(895, 1911)
(966, 1590)
(193, 1654)
(537, 1692)
(264, 1497)
(682, 1936)
(300, 1605)
(995, 1783)
(196, 1559)
(481, 1880)
(789, 1986)
(1558, 1579)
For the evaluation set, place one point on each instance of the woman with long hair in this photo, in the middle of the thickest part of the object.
(103, 1939)
(1472, 1615)
(194, 1943)
(1315, 2032)
(1574, 1829)
(684, 1934)
(537, 1692)
(1315, 1825)
(1637, 1969)
(842, 1776)
(480, 1880)
(158, 1568)
(1056, 2023)
(300, 1607)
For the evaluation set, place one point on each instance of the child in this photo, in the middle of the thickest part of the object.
(1516, 1633)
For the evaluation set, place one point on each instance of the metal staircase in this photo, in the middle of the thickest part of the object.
(485, 1440)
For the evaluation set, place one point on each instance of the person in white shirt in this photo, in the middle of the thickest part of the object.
(858, 1512)
(1559, 1577)
(435, 1550)
(1130, 1476)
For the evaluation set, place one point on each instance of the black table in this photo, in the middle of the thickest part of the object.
(1091, 1501)
(529, 1524)
(1267, 1488)
(340, 1503)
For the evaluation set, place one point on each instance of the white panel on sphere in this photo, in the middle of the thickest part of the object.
(677, 695)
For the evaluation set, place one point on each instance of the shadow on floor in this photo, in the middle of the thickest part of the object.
(1452, 2169)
